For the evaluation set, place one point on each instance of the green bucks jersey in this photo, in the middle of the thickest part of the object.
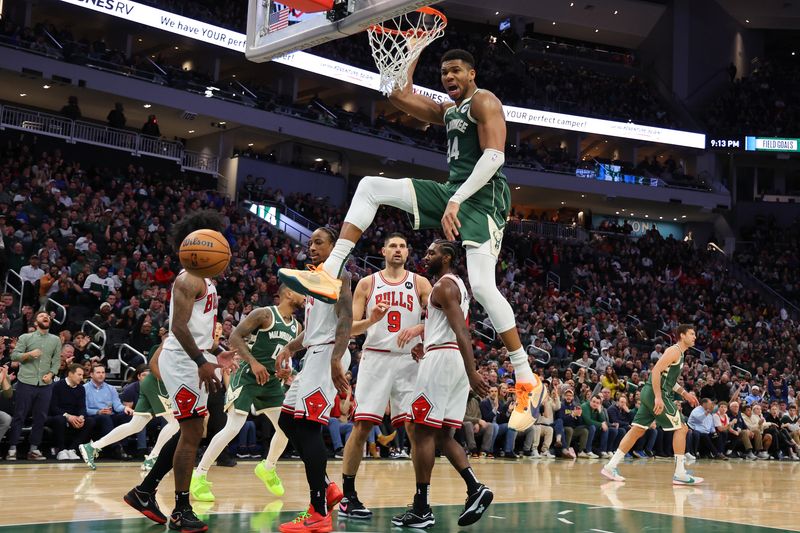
(266, 343)
(669, 377)
(463, 144)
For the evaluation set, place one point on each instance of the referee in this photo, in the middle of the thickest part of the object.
(39, 356)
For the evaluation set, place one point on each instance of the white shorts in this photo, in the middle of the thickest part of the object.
(385, 378)
(179, 374)
(440, 396)
(312, 392)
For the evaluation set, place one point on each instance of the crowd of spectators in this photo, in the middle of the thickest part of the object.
(760, 103)
(95, 241)
(770, 252)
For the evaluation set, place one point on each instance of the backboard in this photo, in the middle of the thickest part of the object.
(269, 36)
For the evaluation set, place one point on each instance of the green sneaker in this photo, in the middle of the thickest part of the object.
(200, 488)
(270, 478)
(148, 463)
(89, 453)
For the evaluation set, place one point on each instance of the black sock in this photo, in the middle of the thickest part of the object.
(470, 479)
(421, 497)
(182, 500)
(318, 502)
(348, 485)
(161, 467)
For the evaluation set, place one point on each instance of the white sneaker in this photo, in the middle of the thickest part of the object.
(592, 455)
(63, 455)
(686, 479)
(535, 454)
(583, 455)
(547, 455)
(606, 455)
(763, 455)
(690, 457)
(73, 455)
(611, 473)
(12, 455)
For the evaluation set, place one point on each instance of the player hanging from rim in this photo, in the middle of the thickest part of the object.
(254, 384)
(446, 372)
(153, 401)
(309, 400)
(189, 373)
(393, 300)
(658, 405)
(476, 137)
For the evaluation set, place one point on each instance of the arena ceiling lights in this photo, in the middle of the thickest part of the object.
(211, 34)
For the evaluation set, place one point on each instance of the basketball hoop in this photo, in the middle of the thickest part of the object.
(398, 42)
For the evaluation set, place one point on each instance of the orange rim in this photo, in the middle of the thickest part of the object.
(427, 10)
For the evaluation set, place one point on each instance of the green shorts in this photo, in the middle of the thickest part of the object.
(668, 420)
(244, 392)
(153, 398)
(483, 216)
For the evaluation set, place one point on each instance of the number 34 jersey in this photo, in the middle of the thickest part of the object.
(405, 311)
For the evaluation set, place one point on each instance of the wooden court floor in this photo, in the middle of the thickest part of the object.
(540, 495)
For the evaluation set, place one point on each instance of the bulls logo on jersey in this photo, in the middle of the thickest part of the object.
(316, 403)
(396, 299)
(185, 400)
(421, 408)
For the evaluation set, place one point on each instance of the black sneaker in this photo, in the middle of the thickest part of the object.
(351, 507)
(185, 521)
(475, 506)
(415, 519)
(145, 503)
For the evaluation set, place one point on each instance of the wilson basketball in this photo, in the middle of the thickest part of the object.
(205, 253)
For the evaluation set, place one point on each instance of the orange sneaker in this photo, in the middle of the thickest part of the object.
(308, 522)
(529, 397)
(333, 495)
(314, 282)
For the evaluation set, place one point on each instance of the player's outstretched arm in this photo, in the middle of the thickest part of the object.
(420, 107)
(447, 297)
(260, 317)
(344, 323)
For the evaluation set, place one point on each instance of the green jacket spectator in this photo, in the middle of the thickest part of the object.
(591, 417)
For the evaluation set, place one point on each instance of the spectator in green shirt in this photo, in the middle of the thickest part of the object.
(39, 357)
(594, 419)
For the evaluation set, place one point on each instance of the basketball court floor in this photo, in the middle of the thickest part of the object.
(558, 496)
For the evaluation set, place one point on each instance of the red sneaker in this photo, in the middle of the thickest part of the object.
(308, 522)
(333, 495)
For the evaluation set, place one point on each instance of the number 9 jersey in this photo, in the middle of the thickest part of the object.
(405, 311)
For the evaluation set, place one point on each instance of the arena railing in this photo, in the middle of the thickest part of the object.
(9, 286)
(550, 230)
(125, 348)
(544, 357)
(97, 334)
(59, 310)
(99, 135)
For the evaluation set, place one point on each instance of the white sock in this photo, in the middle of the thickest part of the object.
(680, 465)
(617, 458)
(279, 440)
(522, 369)
(220, 440)
(335, 262)
(137, 423)
(164, 435)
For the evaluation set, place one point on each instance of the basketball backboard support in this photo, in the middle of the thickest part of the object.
(348, 17)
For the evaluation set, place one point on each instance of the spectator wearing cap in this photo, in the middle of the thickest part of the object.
(67, 417)
(31, 274)
(755, 396)
(574, 429)
(39, 357)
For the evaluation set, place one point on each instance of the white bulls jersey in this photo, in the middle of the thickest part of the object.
(405, 310)
(202, 322)
(437, 328)
(320, 326)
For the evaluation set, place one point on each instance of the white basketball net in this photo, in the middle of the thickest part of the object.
(398, 42)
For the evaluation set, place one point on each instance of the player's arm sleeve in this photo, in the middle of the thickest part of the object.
(487, 166)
